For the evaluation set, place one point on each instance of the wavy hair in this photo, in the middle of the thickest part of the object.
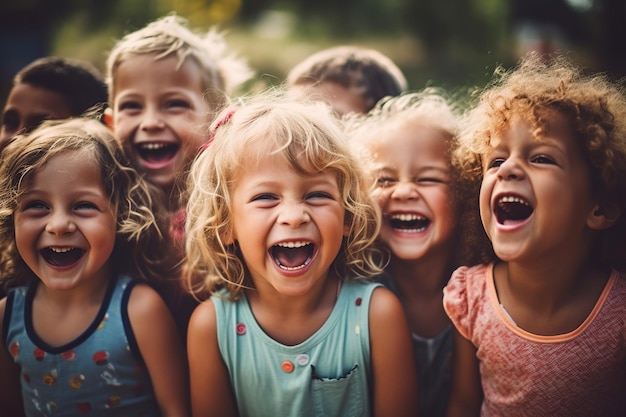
(140, 248)
(224, 72)
(308, 136)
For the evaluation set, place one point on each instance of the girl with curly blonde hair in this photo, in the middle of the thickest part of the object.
(280, 230)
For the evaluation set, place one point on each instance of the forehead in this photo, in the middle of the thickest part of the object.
(146, 71)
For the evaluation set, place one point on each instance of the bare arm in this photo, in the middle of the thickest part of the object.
(393, 364)
(162, 351)
(211, 393)
(467, 394)
(10, 389)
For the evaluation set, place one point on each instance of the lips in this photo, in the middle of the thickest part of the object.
(61, 256)
(292, 255)
(157, 153)
(408, 222)
(511, 209)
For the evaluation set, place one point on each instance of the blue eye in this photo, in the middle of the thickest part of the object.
(318, 194)
(263, 197)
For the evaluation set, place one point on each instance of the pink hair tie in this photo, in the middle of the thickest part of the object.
(226, 115)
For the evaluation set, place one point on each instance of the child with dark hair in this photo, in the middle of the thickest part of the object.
(50, 88)
(349, 78)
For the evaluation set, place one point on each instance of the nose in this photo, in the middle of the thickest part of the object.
(293, 214)
(152, 119)
(404, 190)
(510, 169)
(60, 223)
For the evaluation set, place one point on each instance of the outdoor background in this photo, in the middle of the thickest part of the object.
(449, 43)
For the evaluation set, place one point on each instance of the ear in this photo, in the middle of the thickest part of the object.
(603, 216)
(107, 116)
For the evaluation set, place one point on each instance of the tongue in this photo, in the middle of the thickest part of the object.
(291, 257)
(62, 258)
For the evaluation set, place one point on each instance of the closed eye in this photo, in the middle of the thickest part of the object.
(129, 105)
(85, 205)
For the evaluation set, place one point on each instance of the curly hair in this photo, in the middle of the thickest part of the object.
(308, 136)
(367, 70)
(593, 105)
(139, 247)
(224, 73)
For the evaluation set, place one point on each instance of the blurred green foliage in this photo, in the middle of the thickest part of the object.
(450, 43)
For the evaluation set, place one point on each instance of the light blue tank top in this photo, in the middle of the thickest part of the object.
(100, 373)
(328, 374)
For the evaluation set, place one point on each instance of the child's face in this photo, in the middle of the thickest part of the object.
(536, 197)
(411, 166)
(65, 227)
(289, 227)
(159, 114)
(27, 106)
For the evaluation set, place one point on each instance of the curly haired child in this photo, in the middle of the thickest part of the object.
(280, 229)
(540, 329)
(82, 329)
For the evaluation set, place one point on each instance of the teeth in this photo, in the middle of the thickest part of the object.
(61, 250)
(406, 217)
(293, 244)
(153, 146)
(512, 199)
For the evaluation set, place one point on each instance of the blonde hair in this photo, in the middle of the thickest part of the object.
(439, 110)
(595, 108)
(224, 73)
(139, 239)
(308, 136)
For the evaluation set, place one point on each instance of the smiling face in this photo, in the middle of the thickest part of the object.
(65, 227)
(410, 164)
(536, 198)
(159, 113)
(289, 227)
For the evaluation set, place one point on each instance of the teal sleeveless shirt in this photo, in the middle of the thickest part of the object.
(328, 374)
(100, 373)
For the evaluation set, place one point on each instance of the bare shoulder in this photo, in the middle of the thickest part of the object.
(384, 305)
(144, 300)
(204, 318)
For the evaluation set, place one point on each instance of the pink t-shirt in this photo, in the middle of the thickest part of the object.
(581, 373)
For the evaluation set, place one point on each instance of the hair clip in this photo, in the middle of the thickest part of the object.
(227, 114)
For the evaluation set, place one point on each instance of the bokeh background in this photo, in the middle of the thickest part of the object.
(448, 43)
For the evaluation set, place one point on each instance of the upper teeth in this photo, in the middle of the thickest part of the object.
(153, 145)
(61, 250)
(407, 217)
(512, 199)
(293, 244)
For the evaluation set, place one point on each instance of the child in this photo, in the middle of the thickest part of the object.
(165, 85)
(351, 79)
(405, 144)
(83, 329)
(540, 330)
(280, 226)
(50, 88)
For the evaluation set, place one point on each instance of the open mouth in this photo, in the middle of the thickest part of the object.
(157, 152)
(61, 256)
(292, 256)
(408, 222)
(512, 209)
